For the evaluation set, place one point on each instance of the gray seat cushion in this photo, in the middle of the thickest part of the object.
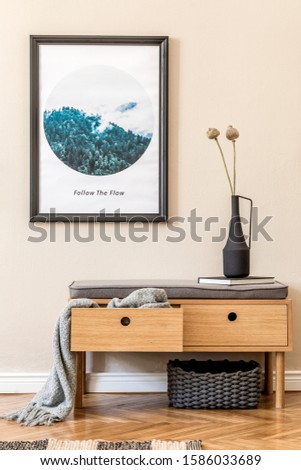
(176, 289)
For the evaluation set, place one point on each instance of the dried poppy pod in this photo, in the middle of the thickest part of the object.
(213, 133)
(232, 133)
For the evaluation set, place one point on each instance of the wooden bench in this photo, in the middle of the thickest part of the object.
(239, 325)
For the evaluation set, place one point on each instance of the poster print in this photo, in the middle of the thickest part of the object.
(98, 128)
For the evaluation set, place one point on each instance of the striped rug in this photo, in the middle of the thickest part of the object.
(56, 444)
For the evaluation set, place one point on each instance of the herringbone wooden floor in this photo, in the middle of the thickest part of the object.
(147, 416)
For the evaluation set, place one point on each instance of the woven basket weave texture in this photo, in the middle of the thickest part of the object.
(213, 384)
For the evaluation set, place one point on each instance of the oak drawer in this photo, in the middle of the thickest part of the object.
(126, 329)
(231, 325)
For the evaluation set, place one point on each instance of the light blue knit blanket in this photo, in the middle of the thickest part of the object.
(55, 400)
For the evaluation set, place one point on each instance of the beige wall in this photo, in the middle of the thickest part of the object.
(235, 62)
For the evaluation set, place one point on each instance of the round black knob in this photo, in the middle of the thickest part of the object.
(125, 321)
(232, 316)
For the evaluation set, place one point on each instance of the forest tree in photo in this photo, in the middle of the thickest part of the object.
(88, 145)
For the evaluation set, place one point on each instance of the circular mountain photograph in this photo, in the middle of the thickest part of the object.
(98, 120)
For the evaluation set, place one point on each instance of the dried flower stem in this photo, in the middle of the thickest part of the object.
(225, 165)
(234, 167)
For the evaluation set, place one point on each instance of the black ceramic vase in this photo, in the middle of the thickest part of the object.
(236, 253)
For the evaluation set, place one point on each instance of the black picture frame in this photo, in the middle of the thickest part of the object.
(52, 143)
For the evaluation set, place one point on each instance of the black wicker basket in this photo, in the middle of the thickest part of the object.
(213, 384)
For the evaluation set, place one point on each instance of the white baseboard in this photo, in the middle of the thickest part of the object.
(126, 382)
(22, 383)
(113, 382)
(292, 380)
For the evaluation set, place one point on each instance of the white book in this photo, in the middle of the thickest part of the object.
(231, 281)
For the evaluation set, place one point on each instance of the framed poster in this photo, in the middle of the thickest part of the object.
(98, 128)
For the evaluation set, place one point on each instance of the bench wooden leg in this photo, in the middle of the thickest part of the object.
(268, 376)
(80, 378)
(280, 361)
